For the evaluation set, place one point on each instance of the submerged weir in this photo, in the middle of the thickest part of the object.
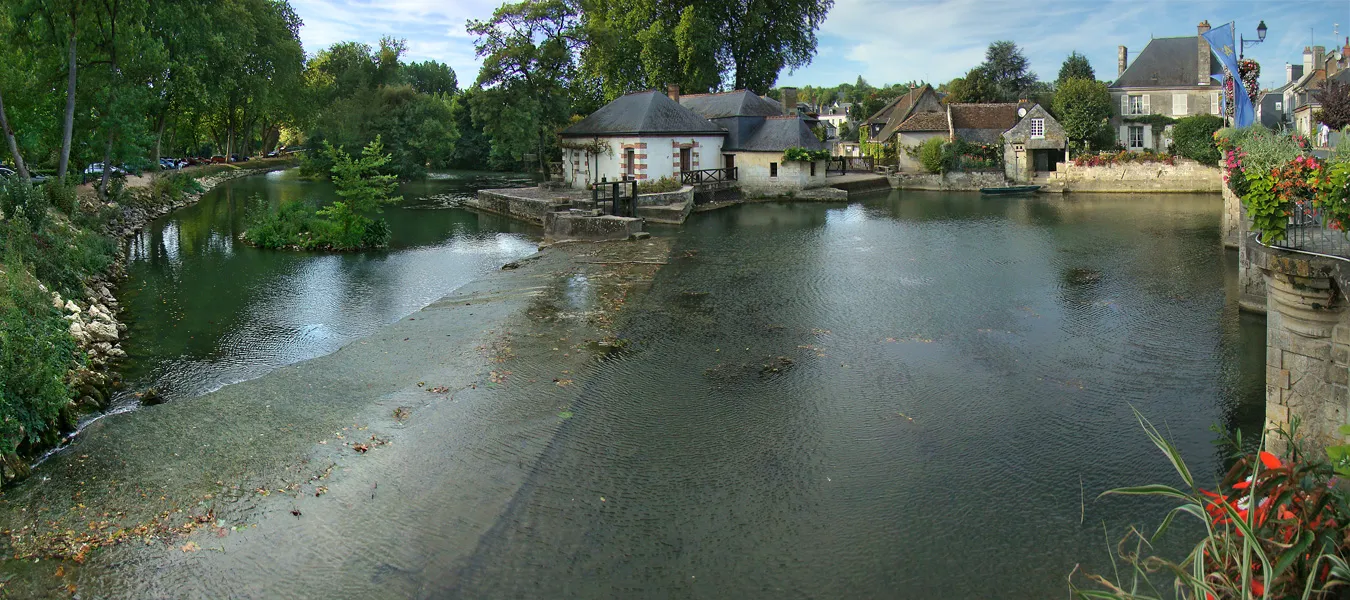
(919, 391)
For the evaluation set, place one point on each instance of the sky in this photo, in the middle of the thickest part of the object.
(895, 41)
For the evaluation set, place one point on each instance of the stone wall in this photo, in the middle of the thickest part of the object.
(1186, 176)
(515, 204)
(961, 181)
(576, 226)
(1307, 344)
(1232, 217)
(754, 174)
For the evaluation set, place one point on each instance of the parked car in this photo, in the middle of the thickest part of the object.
(217, 159)
(97, 169)
(273, 154)
(6, 172)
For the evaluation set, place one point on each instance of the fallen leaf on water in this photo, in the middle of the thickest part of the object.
(61, 571)
(566, 414)
(295, 511)
(191, 547)
(362, 448)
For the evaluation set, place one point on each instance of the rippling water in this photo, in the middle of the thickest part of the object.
(204, 310)
(917, 395)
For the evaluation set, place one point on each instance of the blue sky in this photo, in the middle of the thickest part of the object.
(890, 41)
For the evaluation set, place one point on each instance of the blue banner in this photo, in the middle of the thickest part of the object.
(1221, 43)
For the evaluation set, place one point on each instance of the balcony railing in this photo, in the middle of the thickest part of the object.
(1309, 233)
(844, 164)
(706, 176)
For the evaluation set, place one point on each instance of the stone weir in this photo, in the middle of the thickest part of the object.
(1307, 342)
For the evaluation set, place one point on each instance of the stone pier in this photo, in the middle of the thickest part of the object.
(1235, 231)
(1307, 343)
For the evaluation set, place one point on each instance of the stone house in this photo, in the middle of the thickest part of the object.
(1318, 66)
(975, 123)
(1170, 77)
(1035, 145)
(650, 135)
(759, 130)
(1272, 104)
(883, 125)
(644, 136)
(916, 130)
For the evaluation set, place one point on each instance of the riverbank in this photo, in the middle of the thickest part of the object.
(327, 451)
(93, 324)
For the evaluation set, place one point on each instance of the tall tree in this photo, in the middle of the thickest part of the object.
(528, 50)
(1083, 107)
(1006, 68)
(1335, 100)
(1076, 66)
(976, 87)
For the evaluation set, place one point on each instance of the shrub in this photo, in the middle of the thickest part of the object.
(35, 352)
(291, 224)
(658, 186)
(62, 195)
(1193, 138)
(1105, 159)
(173, 188)
(19, 199)
(930, 155)
(804, 155)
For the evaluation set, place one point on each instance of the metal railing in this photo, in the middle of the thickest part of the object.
(703, 176)
(1309, 233)
(612, 192)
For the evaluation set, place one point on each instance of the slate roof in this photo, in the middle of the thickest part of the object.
(780, 133)
(740, 103)
(1167, 63)
(926, 121)
(901, 110)
(642, 113)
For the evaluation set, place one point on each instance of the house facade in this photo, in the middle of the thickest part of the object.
(644, 136)
(1035, 145)
(883, 125)
(1300, 99)
(1170, 77)
(758, 131)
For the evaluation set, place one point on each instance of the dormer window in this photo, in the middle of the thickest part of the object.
(1038, 129)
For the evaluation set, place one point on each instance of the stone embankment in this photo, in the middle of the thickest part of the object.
(1186, 176)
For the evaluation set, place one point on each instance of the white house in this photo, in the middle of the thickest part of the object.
(759, 131)
(643, 136)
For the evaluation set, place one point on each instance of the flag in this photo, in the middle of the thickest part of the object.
(1221, 44)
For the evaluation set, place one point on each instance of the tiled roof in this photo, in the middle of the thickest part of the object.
(642, 113)
(984, 116)
(926, 121)
(1167, 62)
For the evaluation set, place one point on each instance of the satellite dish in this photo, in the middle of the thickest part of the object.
(1021, 112)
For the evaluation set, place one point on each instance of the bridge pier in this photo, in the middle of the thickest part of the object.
(1307, 343)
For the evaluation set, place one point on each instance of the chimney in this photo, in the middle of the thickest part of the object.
(1202, 62)
(1288, 73)
(1319, 57)
(789, 100)
(1308, 65)
(1122, 60)
(673, 91)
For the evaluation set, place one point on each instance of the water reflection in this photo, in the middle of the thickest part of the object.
(205, 311)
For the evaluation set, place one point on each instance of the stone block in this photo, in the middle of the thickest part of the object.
(1341, 334)
(1278, 378)
(1273, 356)
(1340, 354)
(1277, 413)
(1338, 374)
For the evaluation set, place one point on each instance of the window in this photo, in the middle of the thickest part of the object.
(1215, 103)
(1038, 129)
(1279, 105)
(1179, 104)
(773, 169)
(1136, 137)
(630, 163)
(813, 168)
(1136, 105)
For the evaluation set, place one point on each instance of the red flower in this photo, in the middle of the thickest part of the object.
(1269, 460)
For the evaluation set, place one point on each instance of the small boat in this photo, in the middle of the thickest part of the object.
(1015, 189)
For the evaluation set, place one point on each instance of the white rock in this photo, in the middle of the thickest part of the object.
(103, 332)
(117, 353)
(103, 347)
(71, 306)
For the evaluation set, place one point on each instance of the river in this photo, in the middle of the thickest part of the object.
(913, 394)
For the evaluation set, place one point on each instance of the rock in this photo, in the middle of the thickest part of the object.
(117, 352)
(103, 332)
(57, 303)
(122, 327)
(72, 307)
(77, 331)
(103, 347)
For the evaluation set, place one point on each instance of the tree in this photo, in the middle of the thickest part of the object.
(1076, 66)
(1083, 107)
(976, 87)
(363, 189)
(528, 51)
(1335, 99)
(1006, 67)
(431, 77)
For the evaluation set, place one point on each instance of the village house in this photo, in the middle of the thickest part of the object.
(1035, 145)
(1170, 77)
(649, 135)
(1318, 66)
(1270, 107)
(759, 130)
(883, 125)
(644, 136)
(974, 123)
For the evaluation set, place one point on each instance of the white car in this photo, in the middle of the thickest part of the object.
(97, 169)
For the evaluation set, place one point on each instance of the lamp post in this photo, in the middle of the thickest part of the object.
(1260, 37)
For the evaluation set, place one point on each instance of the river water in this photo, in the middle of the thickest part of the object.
(204, 310)
(913, 394)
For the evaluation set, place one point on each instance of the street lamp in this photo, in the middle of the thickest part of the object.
(1260, 37)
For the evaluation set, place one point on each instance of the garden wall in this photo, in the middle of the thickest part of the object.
(956, 181)
(1186, 176)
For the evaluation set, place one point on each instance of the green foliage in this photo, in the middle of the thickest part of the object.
(173, 188)
(961, 155)
(976, 87)
(804, 155)
(1076, 66)
(359, 181)
(1272, 528)
(22, 200)
(1193, 138)
(62, 196)
(1334, 98)
(1007, 69)
(658, 186)
(930, 154)
(1083, 107)
(1267, 211)
(35, 352)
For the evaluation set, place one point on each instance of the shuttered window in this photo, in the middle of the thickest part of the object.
(1179, 104)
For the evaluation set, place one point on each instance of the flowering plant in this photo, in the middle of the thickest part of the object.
(1123, 156)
